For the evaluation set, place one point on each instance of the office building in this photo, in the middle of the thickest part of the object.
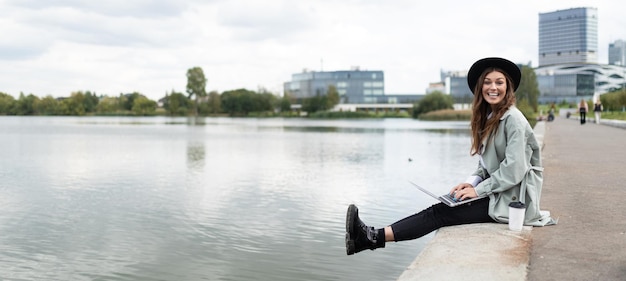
(571, 82)
(353, 86)
(617, 53)
(456, 85)
(568, 36)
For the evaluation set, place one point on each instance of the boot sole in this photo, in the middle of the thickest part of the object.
(351, 215)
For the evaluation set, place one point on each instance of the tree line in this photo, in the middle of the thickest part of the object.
(240, 102)
(195, 101)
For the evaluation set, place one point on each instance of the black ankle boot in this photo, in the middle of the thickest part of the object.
(359, 236)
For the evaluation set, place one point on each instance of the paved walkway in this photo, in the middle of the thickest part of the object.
(585, 188)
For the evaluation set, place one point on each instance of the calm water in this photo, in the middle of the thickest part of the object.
(111, 198)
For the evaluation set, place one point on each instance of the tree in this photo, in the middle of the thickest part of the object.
(7, 103)
(528, 88)
(128, 100)
(431, 102)
(215, 103)
(313, 104)
(285, 104)
(47, 106)
(321, 102)
(108, 105)
(196, 86)
(176, 104)
(242, 101)
(25, 105)
(74, 105)
(90, 101)
(144, 106)
(332, 97)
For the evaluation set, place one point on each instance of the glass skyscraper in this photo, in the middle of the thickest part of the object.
(617, 53)
(568, 36)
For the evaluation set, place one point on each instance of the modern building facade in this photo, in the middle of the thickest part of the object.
(456, 85)
(571, 82)
(617, 53)
(568, 36)
(354, 86)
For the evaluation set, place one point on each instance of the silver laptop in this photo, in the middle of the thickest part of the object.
(447, 198)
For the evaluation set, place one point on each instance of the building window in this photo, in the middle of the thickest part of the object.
(370, 100)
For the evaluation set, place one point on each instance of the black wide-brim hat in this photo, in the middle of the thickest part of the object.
(506, 65)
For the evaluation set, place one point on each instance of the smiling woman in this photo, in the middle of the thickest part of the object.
(510, 164)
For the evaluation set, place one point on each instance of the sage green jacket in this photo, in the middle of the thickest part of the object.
(512, 170)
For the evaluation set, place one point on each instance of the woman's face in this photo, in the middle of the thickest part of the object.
(494, 87)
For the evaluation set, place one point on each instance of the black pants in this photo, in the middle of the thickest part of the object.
(440, 215)
(583, 117)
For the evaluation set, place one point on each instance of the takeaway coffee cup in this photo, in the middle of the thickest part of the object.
(516, 215)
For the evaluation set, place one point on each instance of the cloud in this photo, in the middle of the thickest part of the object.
(110, 47)
(111, 8)
(83, 25)
(265, 20)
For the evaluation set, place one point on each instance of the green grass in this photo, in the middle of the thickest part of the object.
(615, 115)
(446, 115)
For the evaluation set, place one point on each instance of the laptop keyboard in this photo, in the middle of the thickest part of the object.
(450, 198)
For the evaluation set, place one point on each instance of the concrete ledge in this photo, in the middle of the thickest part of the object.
(484, 251)
(613, 123)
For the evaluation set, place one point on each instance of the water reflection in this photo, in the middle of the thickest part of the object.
(195, 155)
(217, 198)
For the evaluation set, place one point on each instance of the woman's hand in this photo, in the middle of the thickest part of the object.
(463, 191)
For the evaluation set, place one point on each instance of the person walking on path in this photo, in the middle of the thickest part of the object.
(583, 108)
(509, 169)
(597, 110)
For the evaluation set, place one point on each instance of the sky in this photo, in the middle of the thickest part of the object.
(56, 47)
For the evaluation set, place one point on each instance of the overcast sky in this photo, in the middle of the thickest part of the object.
(55, 47)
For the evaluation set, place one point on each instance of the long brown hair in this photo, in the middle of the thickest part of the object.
(481, 124)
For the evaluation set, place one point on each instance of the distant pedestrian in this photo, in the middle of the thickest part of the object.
(583, 108)
(551, 113)
(597, 110)
(509, 168)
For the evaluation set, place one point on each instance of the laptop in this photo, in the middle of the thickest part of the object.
(447, 198)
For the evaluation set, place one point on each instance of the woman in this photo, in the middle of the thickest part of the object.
(509, 169)
(583, 108)
(597, 110)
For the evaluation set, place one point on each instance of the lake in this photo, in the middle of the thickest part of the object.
(158, 198)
